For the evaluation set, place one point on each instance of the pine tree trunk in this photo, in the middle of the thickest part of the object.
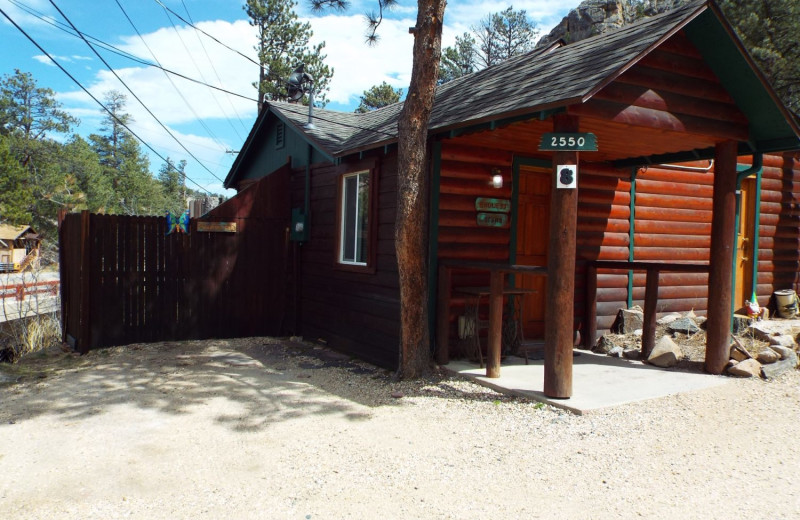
(411, 228)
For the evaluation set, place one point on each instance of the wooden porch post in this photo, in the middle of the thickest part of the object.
(718, 326)
(561, 275)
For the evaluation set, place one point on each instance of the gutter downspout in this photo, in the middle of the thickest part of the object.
(756, 168)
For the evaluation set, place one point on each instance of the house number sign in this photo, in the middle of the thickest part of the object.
(564, 142)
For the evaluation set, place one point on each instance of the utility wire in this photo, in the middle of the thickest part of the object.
(185, 101)
(134, 94)
(115, 50)
(248, 58)
(197, 68)
(219, 80)
(118, 120)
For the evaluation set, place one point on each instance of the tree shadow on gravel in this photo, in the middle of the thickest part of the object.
(260, 381)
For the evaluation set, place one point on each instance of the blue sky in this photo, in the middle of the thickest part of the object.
(208, 123)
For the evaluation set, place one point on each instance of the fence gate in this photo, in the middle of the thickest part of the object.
(124, 280)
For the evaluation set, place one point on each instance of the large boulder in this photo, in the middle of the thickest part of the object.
(628, 321)
(780, 367)
(684, 325)
(746, 368)
(783, 352)
(767, 356)
(665, 354)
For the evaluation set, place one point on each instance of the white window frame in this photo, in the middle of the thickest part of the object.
(343, 227)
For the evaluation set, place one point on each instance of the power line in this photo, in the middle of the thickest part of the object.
(118, 120)
(115, 50)
(219, 80)
(134, 94)
(248, 58)
(185, 101)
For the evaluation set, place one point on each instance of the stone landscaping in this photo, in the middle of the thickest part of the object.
(764, 349)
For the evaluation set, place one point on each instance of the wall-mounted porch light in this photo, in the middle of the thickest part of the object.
(497, 178)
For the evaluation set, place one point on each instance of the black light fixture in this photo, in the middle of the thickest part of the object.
(301, 83)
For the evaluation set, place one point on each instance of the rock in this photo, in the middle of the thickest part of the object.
(628, 320)
(782, 351)
(738, 352)
(768, 356)
(632, 353)
(684, 325)
(731, 363)
(397, 394)
(665, 354)
(785, 341)
(605, 344)
(668, 318)
(638, 332)
(615, 352)
(746, 368)
(781, 367)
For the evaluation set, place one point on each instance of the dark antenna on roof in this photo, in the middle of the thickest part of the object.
(300, 84)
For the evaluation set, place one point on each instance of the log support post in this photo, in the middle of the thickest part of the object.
(495, 323)
(443, 316)
(650, 312)
(590, 311)
(718, 326)
(559, 314)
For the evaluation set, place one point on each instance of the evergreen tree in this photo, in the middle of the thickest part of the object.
(379, 96)
(770, 29)
(172, 177)
(282, 45)
(125, 167)
(16, 198)
(458, 60)
(503, 35)
(81, 162)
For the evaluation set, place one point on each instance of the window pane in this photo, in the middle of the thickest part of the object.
(363, 218)
(349, 219)
(355, 219)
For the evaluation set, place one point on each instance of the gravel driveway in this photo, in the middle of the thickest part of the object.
(259, 428)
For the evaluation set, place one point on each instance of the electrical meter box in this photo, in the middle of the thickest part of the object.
(299, 231)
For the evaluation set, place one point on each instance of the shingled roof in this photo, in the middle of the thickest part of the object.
(525, 85)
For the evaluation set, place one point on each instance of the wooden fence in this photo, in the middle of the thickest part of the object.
(124, 280)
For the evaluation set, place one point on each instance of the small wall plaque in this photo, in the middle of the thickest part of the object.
(493, 205)
(217, 227)
(492, 220)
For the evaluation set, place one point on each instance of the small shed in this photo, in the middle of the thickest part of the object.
(695, 163)
(19, 246)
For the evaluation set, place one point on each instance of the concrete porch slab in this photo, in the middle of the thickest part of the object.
(598, 381)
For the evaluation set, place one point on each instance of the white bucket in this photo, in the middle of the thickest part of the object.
(787, 303)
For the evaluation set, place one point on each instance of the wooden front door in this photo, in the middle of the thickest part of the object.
(532, 238)
(744, 244)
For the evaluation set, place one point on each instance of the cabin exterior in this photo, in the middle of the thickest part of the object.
(19, 246)
(695, 164)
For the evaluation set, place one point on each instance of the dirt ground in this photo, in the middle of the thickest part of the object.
(266, 428)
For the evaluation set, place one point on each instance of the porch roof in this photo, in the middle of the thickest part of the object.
(533, 86)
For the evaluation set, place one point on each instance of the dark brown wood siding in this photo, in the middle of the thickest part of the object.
(355, 312)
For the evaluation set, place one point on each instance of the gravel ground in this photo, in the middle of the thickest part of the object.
(262, 428)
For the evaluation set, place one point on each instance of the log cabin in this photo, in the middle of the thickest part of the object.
(660, 143)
